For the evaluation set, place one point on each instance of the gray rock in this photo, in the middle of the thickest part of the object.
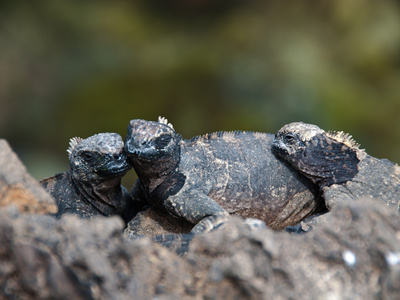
(153, 222)
(356, 257)
(74, 258)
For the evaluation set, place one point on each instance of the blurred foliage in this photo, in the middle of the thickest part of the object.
(76, 68)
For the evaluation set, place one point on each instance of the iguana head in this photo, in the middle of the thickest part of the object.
(98, 158)
(152, 147)
(324, 157)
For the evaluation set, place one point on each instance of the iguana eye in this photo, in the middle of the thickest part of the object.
(163, 141)
(289, 137)
(88, 155)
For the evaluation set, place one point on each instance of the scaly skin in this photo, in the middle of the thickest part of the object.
(334, 162)
(92, 186)
(205, 179)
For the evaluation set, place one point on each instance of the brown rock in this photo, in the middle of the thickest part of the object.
(18, 188)
(74, 258)
(356, 255)
(155, 222)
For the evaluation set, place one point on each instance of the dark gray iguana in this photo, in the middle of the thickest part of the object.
(205, 178)
(334, 161)
(92, 186)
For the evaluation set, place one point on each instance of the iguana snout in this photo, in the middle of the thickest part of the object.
(115, 165)
(150, 141)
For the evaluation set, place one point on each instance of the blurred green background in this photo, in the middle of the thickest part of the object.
(76, 68)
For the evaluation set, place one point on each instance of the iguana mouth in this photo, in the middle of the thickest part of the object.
(146, 155)
(115, 167)
(280, 149)
(140, 150)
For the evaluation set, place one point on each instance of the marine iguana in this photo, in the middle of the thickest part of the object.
(92, 186)
(206, 178)
(334, 162)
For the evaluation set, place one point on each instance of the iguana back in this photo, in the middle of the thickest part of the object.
(203, 179)
(239, 172)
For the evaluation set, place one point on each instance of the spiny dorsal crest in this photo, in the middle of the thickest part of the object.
(163, 120)
(72, 144)
(224, 134)
(344, 138)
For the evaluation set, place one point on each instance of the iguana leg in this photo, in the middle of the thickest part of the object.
(197, 208)
(209, 223)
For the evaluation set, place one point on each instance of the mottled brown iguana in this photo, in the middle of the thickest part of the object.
(92, 186)
(204, 179)
(334, 162)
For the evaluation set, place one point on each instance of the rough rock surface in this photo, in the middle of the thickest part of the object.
(18, 188)
(73, 258)
(151, 221)
(356, 257)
